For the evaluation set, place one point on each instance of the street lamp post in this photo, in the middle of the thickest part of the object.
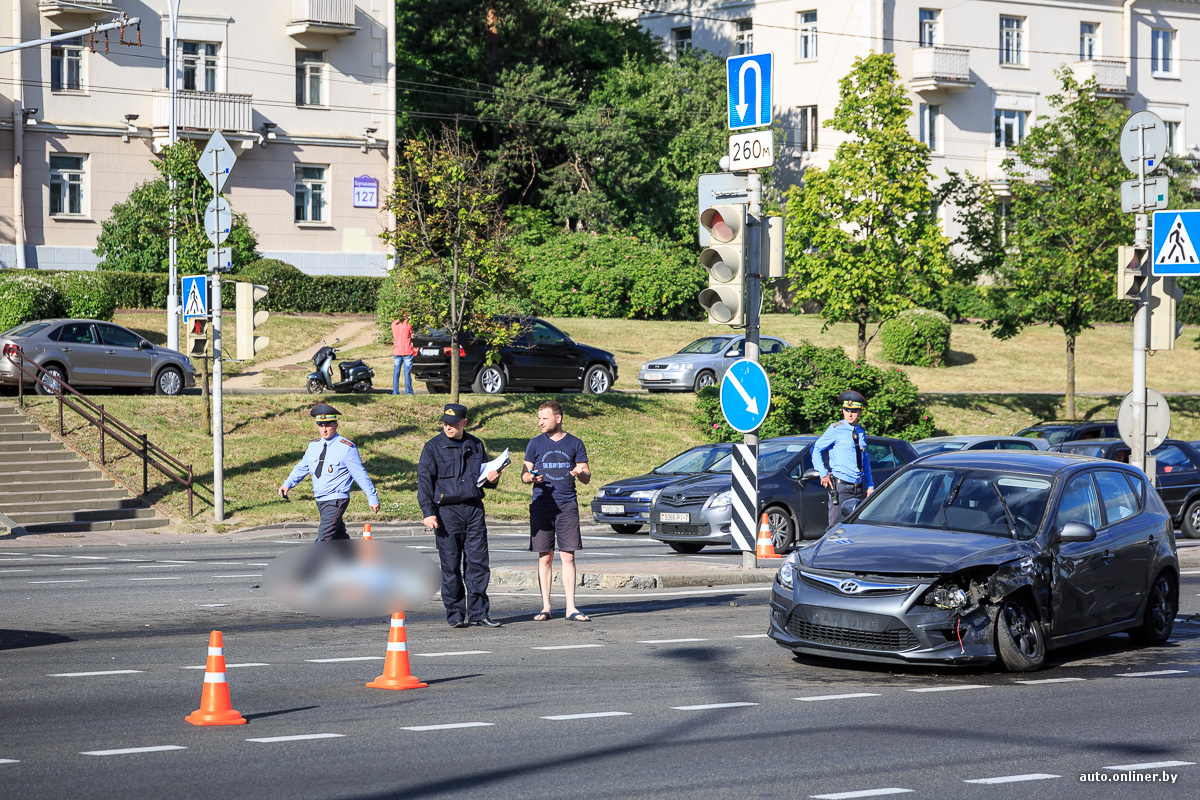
(173, 134)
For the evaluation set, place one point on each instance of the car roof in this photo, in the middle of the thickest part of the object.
(975, 437)
(1041, 462)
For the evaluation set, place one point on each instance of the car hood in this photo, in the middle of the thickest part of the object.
(641, 483)
(684, 358)
(701, 482)
(596, 353)
(880, 550)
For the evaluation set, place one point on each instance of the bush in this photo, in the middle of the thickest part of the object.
(27, 296)
(137, 290)
(917, 337)
(805, 383)
(85, 295)
(291, 291)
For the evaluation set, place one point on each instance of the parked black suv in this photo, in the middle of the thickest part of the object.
(542, 357)
(1057, 431)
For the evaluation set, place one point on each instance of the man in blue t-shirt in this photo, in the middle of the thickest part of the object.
(553, 461)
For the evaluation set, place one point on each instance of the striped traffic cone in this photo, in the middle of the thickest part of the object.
(396, 673)
(214, 700)
(367, 531)
(764, 548)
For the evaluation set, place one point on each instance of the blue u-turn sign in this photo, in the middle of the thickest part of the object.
(750, 80)
(745, 396)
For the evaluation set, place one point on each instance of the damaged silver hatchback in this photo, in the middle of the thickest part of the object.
(966, 558)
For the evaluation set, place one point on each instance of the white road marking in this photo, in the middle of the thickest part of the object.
(231, 666)
(224, 564)
(213, 605)
(600, 538)
(176, 562)
(46, 555)
(92, 558)
(594, 715)
(71, 580)
(163, 578)
(449, 726)
(10, 761)
(157, 566)
(862, 793)
(14, 554)
(25, 558)
(708, 706)
(1032, 776)
(1190, 572)
(258, 564)
(339, 660)
(459, 653)
(1152, 674)
(431, 547)
(669, 641)
(83, 569)
(16, 570)
(290, 541)
(130, 750)
(257, 575)
(567, 647)
(753, 636)
(949, 688)
(738, 588)
(298, 737)
(1151, 765)
(132, 560)
(88, 674)
(1052, 680)
(814, 698)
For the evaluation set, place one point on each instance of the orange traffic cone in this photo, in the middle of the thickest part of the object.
(396, 674)
(214, 700)
(764, 547)
(366, 530)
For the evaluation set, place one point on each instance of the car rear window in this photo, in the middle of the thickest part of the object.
(26, 329)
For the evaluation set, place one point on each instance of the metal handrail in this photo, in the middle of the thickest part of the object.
(134, 442)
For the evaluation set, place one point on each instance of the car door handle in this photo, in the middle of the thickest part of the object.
(65, 349)
(1107, 556)
(110, 352)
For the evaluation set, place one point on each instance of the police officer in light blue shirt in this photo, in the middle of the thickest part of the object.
(840, 457)
(334, 463)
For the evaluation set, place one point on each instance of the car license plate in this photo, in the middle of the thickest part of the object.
(653, 378)
(429, 351)
(672, 517)
(612, 509)
(849, 620)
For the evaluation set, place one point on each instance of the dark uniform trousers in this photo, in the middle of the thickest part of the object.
(462, 547)
(844, 491)
(332, 525)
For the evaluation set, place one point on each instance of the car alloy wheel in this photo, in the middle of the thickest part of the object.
(1161, 606)
(1019, 640)
(597, 381)
(780, 523)
(51, 378)
(704, 379)
(169, 383)
(1191, 521)
(490, 381)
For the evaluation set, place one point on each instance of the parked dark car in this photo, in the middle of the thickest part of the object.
(625, 504)
(967, 558)
(542, 357)
(696, 512)
(946, 444)
(1177, 475)
(1058, 431)
(93, 353)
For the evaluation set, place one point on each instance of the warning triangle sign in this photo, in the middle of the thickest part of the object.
(194, 305)
(1178, 247)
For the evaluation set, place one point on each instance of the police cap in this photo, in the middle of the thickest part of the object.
(323, 412)
(852, 400)
(454, 413)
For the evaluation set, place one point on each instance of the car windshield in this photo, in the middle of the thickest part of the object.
(1051, 435)
(697, 459)
(709, 345)
(27, 329)
(925, 448)
(1006, 504)
(771, 458)
(1096, 450)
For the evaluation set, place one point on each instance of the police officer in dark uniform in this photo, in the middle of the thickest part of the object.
(451, 499)
(840, 457)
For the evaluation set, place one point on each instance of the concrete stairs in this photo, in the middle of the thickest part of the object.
(47, 488)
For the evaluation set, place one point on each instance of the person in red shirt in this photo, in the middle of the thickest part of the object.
(402, 354)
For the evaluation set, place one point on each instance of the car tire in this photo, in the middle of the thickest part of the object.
(316, 386)
(685, 547)
(1020, 642)
(597, 380)
(705, 378)
(1162, 604)
(437, 388)
(783, 529)
(627, 529)
(169, 382)
(52, 374)
(490, 380)
(1190, 526)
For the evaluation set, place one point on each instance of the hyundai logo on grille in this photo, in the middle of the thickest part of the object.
(849, 587)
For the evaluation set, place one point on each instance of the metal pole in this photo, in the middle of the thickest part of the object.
(753, 236)
(18, 170)
(173, 132)
(218, 430)
(1141, 323)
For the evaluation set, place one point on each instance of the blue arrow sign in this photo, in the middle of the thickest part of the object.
(750, 80)
(195, 297)
(745, 396)
(1176, 243)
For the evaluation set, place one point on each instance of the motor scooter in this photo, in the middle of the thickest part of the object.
(355, 375)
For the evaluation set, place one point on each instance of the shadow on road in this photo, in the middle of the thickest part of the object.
(13, 639)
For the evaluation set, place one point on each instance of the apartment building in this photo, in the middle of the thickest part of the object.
(978, 71)
(304, 90)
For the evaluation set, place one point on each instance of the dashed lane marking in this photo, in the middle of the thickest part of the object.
(131, 750)
(459, 653)
(815, 698)
(157, 566)
(15, 570)
(567, 646)
(708, 706)
(753, 636)
(16, 559)
(1051, 680)
(90, 674)
(232, 666)
(1151, 765)
(669, 641)
(213, 605)
(225, 564)
(339, 660)
(950, 688)
(10, 761)
(1190, 572)
(256, 575)
(732, 589)
(449, 726)
(599, 538)
(83, 569)
(132, 560)
(162, 578)
(46, 555)
(290, 541)
(92, 558)
(258, 563)
(1152, 673)
(176, 562)
(1032, 776)
(593, 715)
(861, 793)
(67, 580)
(300, 737)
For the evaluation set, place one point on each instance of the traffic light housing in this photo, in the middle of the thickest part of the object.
(248, 320)
(725, 262)
(1133, 267)
(197, 337)
(1164, 299)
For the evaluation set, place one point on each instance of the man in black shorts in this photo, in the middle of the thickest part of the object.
(552, 463)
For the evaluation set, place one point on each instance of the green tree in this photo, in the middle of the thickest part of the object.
(135, 237)
(862, 238)
(452, 255)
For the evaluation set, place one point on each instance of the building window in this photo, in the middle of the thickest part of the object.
(744, 43)
(1173, 141)
(930, 122)
(1162, 52)
(930, 33)
(808, 129)
(806, 42)
(66, 66)
(310, 194)
(1004, 220)
(1012, 40)
(1089, 41)
(1010, 127)
(199, 61)
(310, 72)
(681, 40)
(66, 186)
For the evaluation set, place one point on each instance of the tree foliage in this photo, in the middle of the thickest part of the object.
(863, 239)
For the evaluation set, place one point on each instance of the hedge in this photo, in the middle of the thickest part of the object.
(917, 337)
(291, 291)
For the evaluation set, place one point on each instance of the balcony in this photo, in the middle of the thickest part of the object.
(203, 111)
(324, 17)
(52, 9)
(939, 68)
(1109, 74)
(997, 174)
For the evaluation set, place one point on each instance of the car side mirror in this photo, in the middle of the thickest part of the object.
(1077, 532)
(146, 345)
(810, 475)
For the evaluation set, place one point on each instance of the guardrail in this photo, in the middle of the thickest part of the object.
(137, 443)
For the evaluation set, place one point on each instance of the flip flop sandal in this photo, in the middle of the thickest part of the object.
(579, 616)
(541, 616)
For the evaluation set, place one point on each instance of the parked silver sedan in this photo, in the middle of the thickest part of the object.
(94, 353)
(702, 363)
(946, 444)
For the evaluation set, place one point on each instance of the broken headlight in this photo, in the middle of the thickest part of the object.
(960, 594)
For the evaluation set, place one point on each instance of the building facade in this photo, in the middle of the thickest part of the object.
(304, 90)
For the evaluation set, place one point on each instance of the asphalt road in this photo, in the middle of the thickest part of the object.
(672, 693)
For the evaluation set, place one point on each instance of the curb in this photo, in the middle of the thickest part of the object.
(510, 578)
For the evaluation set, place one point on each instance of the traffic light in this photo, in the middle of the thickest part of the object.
(1133, 266)
(248, 319)
(725, 261)
(1164, 297)
(197, 337)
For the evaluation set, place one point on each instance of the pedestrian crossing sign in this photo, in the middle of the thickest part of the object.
(1176, 239)
(195, 297)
